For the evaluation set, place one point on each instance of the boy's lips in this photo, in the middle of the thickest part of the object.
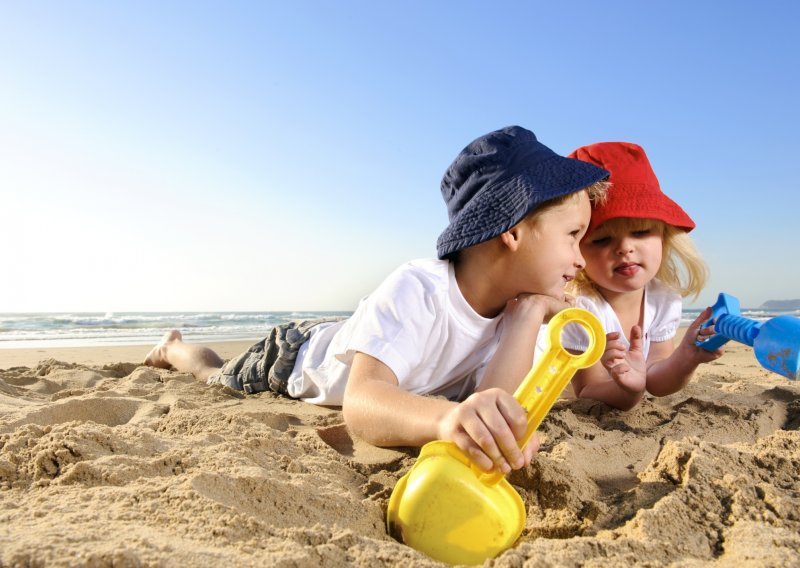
(627, 269)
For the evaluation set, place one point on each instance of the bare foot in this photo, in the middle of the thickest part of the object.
(158, 354)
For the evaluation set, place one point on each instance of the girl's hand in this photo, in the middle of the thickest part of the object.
(487, 427)
(626, 366)
(688, 347)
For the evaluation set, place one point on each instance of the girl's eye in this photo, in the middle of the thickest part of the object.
(642, 233)
(601, 242)
(575, 233)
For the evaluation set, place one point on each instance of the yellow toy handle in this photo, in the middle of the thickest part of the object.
(549, 376)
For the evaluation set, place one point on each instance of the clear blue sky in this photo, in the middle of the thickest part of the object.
(287, 155)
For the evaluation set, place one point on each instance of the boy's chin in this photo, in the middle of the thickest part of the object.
(557, 293)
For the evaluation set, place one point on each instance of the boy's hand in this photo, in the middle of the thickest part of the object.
(547, 304)
(688, 349)
(627, 367)
(486, 427)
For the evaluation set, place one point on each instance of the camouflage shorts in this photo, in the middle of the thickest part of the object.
(268, 364)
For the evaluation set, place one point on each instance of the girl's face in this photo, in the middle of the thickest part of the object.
(623, 255)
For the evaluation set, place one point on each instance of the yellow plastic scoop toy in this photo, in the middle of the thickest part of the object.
(451, 510)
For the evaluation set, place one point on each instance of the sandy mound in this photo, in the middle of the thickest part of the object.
(130, 466)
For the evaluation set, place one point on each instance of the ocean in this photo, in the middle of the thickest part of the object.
(78, 329)
(65, 329)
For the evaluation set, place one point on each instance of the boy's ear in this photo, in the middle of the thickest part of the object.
(512, 237)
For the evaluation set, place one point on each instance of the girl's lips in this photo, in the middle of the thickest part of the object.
(629, 269)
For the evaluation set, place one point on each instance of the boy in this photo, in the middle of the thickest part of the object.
(463, 326)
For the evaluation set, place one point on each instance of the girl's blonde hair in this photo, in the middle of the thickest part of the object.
(682, 268)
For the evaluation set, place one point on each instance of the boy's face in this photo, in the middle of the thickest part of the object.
(552, 254)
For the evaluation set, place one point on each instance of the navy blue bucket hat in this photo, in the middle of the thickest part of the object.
(501, 177)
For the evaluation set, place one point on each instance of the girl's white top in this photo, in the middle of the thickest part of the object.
(417, 323)
(662, 316)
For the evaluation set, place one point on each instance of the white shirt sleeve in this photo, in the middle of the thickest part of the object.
(395, 324)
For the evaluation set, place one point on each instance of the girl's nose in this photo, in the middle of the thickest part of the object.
(625, 246)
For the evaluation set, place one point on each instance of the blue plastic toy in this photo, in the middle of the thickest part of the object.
(776, 342)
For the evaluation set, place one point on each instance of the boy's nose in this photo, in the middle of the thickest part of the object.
(580, 262)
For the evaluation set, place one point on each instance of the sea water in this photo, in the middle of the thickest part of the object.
(756, 314)
(76, 329)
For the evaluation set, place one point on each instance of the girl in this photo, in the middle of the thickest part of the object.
(640, 262)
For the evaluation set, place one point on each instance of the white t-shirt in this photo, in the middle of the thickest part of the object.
(662, 316)
(417, 323)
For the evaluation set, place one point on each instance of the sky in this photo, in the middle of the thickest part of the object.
(213, 156)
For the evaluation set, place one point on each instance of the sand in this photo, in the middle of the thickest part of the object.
(102, 355)
(114, 464)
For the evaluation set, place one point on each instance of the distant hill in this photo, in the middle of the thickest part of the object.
(781, 305)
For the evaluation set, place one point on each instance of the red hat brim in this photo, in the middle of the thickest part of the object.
(635, 191)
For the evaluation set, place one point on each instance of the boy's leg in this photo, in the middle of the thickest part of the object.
(172, 352)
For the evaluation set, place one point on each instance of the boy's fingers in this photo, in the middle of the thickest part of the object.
(467, 444)
(484, 441)
(503, 439)
(516, 422)
(531, 448)
(513, 414)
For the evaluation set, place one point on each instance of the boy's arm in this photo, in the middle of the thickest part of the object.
(486, 426)
(380, 412)
(522, 318)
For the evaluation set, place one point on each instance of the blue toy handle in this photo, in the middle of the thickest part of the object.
(776, 342)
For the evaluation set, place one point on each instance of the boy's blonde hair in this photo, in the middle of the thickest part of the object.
(682, 268)
(596, 192)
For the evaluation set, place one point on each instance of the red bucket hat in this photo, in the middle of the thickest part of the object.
(635, 191)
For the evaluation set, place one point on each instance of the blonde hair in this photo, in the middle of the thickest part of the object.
(682, 268)
(596, 192)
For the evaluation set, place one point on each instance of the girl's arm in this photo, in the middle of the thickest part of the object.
(619, 378)
(596, 383)
(670, 371)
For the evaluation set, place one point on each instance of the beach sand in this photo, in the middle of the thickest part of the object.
(107, 463)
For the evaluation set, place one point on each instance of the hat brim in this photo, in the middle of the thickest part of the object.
(499, 207)
(629, 201)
